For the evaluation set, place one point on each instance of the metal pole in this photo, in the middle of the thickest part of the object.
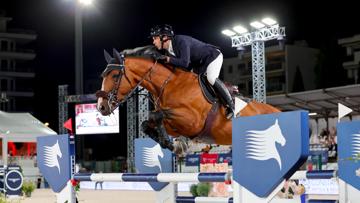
(63, 107)
(5, 151)
(258, 69)
(78, 50)
(131, 133)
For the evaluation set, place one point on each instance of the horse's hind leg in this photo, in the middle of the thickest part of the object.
(157, 132)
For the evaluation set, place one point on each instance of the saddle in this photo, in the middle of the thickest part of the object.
(210, 94)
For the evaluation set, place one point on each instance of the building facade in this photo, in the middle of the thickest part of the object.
(352, 64)
(287, 70)
(16, 74)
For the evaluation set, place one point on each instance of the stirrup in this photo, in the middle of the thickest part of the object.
(229, 113)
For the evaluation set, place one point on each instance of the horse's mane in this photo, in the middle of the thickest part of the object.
(147, 52)
(144, 52)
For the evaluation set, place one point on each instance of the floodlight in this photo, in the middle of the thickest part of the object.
(228, 32)
(269, 21)
(86, 2)
(240, 29)
(257, 24)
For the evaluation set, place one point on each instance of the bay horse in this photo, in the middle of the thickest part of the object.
(181, 108)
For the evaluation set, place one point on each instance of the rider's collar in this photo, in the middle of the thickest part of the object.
(170, 49)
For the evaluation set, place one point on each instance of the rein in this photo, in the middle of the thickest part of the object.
(131, 93)
(156, 101)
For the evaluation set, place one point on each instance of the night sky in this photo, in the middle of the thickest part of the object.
(125, 24)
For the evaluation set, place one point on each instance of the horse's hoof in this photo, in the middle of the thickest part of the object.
(180, 147)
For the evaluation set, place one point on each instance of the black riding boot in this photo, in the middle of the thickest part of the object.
(225, 98)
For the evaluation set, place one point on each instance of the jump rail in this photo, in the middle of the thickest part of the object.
(154, 177)
(180, 199)
(324, 174)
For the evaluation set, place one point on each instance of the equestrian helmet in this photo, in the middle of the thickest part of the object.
(162, 30)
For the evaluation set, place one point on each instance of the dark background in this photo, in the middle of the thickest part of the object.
(125, 24)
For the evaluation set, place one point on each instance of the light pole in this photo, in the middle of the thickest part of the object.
(263, 31)
(79, 74)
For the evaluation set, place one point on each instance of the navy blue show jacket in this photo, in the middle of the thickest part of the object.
(192, 53)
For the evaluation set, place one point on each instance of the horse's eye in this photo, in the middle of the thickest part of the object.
(116, 76)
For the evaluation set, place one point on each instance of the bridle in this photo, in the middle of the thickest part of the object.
(113, 101)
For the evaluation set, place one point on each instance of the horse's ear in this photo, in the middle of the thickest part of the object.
(276, 121)
(116, 55)
(107, 56)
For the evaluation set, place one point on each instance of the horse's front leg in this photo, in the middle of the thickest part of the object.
(149, 129)
(155, 129)
(164, 139)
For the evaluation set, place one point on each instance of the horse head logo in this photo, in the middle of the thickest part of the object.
(261, 144)
(151, 156)
(356, 145)
(50, 155)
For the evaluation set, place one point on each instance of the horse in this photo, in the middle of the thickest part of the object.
(181, 107)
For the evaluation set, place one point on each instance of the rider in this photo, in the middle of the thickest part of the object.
(192, 54)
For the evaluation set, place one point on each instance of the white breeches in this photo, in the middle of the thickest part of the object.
(213, 69)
